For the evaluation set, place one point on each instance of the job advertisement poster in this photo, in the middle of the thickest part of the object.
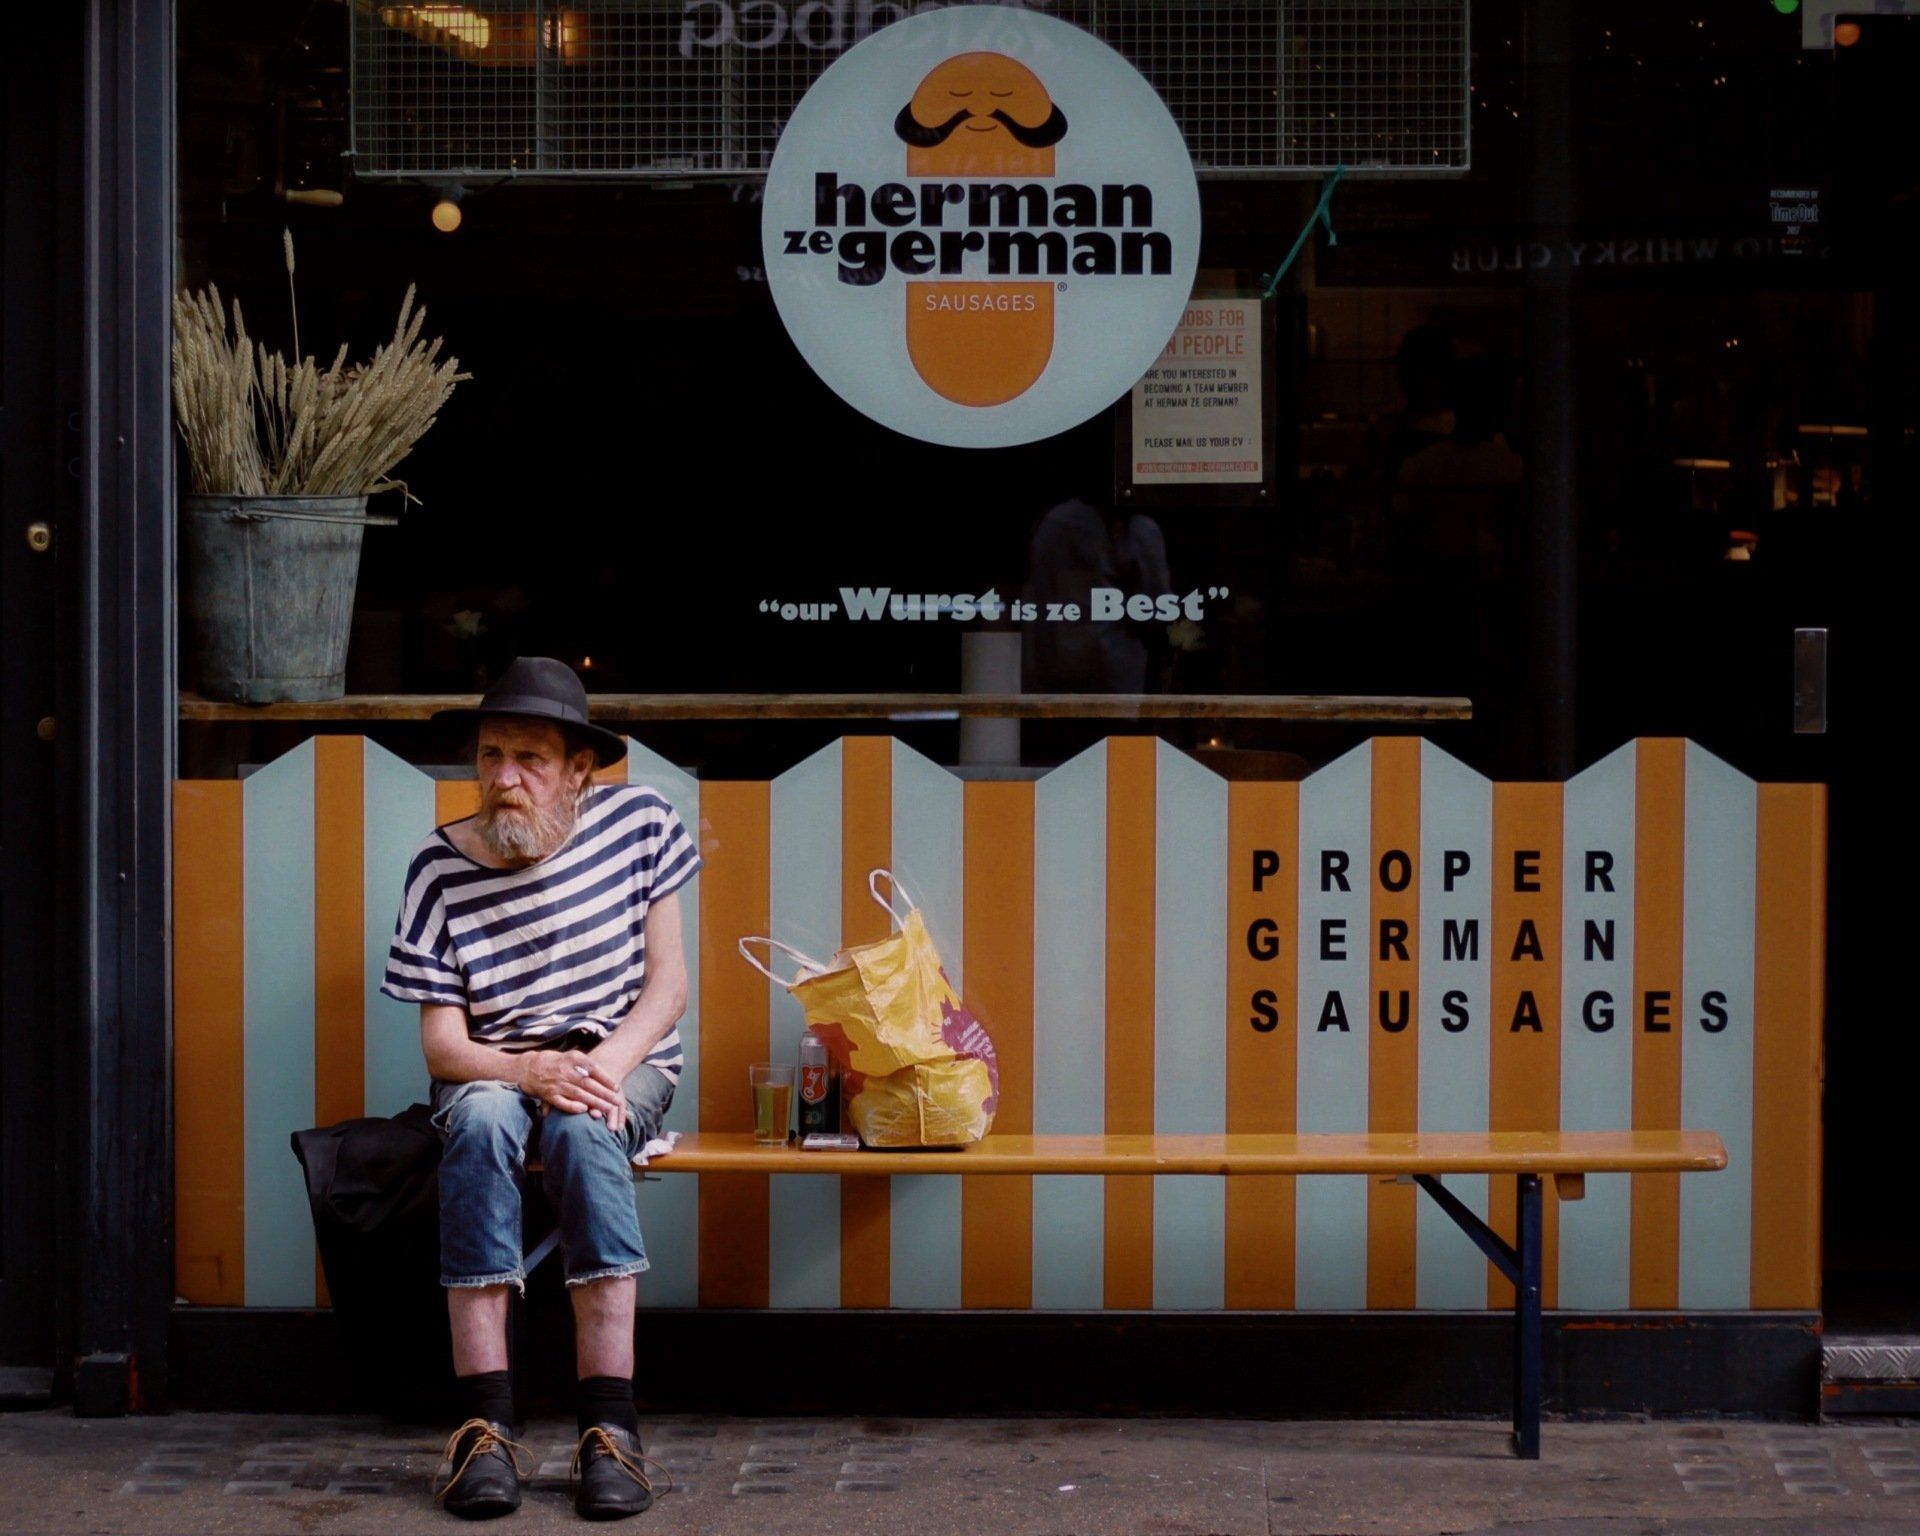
(1199, 415)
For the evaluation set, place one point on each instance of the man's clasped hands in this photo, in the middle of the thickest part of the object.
(572, 1081)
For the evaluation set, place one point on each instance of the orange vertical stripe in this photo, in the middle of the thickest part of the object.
(866, 844)
(866, 834)
(1131, 824)
(1263, 1069)
(1789, 995)
(1524, 1072)
(339, 939)
(456, 800)
(735, 838)
(1660, 805)
(996, 1212)
(615, 773)
(1393, 1054)
(209, 1151)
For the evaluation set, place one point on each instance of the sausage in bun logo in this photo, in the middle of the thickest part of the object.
(981, 226)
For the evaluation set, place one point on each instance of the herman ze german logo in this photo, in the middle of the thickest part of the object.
(981, 226)
(982, 115)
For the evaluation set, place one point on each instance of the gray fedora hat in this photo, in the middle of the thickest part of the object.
(541, 688)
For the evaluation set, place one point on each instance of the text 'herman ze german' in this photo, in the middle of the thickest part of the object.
(989, 229)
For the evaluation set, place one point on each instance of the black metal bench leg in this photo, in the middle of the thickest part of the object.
(1526, 1320)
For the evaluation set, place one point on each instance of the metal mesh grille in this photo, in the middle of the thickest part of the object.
(645, 89)
(1380, 84)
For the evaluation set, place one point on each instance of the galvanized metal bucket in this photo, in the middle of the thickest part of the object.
(268, 593)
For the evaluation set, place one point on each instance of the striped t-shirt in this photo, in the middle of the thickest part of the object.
(557, 945)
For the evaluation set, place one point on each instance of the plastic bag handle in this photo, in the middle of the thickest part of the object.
(807, 962)
(886, 903)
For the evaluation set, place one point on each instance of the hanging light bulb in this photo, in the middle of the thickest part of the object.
(446, 212)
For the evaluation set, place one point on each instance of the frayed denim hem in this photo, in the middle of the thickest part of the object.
(618, 1272)
(517, 1280)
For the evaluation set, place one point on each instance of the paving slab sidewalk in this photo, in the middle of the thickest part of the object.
(192, 1472)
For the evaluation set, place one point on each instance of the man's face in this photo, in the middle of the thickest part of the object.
(529, 789)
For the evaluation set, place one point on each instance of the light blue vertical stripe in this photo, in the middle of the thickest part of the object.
(1716, 1065)
(929, 855)
(804, 906)
(1069, 1024)
(924, 1240)
(1336, 817)
(929, 850)
(1456, 819)
(1189, 1022)
(278, 1078)
(670, 1207)
(1596, 1063)
(397, 806)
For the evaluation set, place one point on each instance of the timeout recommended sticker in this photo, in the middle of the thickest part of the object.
(981, 226)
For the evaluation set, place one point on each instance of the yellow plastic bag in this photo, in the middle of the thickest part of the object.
(918, 1069)
(935, 1104)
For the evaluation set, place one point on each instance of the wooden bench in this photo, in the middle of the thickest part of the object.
(1422, 1159)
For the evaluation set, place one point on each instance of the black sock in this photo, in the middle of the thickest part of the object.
(486, 1395)
(607, 1400)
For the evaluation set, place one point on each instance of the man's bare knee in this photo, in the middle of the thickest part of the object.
(609, 1293)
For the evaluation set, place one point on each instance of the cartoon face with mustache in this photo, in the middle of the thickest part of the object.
(981, 114)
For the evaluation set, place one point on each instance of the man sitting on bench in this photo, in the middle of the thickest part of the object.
(541, 938)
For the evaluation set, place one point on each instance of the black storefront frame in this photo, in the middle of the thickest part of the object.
(116, 712)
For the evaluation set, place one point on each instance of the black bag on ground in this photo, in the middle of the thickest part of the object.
(375, 1191)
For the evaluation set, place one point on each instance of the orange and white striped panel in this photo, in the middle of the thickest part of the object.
(1393, 944)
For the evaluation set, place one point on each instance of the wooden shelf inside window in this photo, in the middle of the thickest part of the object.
(638, 708)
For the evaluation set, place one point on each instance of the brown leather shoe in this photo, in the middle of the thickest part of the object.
(612, 1483)
(483, 1472)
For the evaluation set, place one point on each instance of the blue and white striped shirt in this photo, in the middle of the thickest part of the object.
(558, 945)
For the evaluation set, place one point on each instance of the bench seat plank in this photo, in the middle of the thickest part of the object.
(1434, 1152)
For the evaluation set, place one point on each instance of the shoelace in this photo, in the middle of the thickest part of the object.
(611, 1448)
(488, 1439)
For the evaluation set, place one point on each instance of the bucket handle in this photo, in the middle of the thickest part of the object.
(249, 513)
(807, 963)
(886, 902)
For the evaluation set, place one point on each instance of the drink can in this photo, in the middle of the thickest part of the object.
(819, 1100)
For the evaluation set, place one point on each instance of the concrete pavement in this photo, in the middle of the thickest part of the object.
(965, 1477)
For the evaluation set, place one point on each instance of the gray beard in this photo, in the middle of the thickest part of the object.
(524, 836)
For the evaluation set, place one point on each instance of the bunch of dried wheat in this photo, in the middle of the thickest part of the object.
(256, 426)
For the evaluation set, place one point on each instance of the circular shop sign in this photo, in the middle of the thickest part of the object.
(981, 226)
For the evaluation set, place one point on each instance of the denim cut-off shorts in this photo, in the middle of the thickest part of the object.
(488, 1130)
